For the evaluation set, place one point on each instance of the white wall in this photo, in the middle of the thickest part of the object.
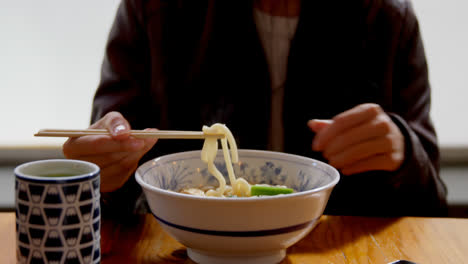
(50, 57)
(444, 25)
(51, 52)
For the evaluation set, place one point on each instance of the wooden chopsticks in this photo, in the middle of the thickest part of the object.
(166, 134)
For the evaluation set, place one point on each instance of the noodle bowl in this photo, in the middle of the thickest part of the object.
(246, 230)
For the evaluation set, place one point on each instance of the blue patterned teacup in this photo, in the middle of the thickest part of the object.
(57, 212)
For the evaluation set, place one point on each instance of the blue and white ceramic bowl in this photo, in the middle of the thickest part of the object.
(237, 230)
(57, 218)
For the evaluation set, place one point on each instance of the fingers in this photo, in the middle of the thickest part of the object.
(116, 158)
(317, 125)
(115, 123)
(388, 162)
(116, 167)
(119, 128)
(105, 160)
(360, 139)
(116, 173)
(378, 127)
(98, 145)
(360, 151)
(117, 155)
(343, 121)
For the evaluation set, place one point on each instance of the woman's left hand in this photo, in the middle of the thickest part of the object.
(361, 139)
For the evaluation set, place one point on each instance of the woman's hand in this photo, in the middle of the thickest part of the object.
(117, 155)
(361, 139)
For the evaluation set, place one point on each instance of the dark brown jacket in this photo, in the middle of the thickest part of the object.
(184, 64)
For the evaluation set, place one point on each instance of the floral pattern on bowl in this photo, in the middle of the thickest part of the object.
(181, 172)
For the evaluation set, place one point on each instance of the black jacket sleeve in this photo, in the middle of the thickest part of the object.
(418, 180)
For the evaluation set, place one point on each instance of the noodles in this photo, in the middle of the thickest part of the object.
(239, 187)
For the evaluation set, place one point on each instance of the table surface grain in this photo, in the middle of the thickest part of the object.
(336, 239)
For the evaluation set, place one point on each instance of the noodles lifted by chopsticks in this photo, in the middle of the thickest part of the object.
(240, 187)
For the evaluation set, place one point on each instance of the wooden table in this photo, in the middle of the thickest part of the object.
(336, 239)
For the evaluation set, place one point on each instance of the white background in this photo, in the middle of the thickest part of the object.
(50, 58)
(51, 52)
(444, 26)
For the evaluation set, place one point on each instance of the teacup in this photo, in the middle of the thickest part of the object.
(57, 212)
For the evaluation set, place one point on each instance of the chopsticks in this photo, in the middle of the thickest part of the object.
(165, 134)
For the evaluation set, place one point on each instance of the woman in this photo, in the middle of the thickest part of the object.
(341, 81)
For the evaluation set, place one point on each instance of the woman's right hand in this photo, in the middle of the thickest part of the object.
(117, 155)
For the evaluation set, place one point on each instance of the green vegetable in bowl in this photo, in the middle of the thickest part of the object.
(256, 190)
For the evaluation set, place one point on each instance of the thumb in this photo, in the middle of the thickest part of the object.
(115, 123)
(316, 125)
